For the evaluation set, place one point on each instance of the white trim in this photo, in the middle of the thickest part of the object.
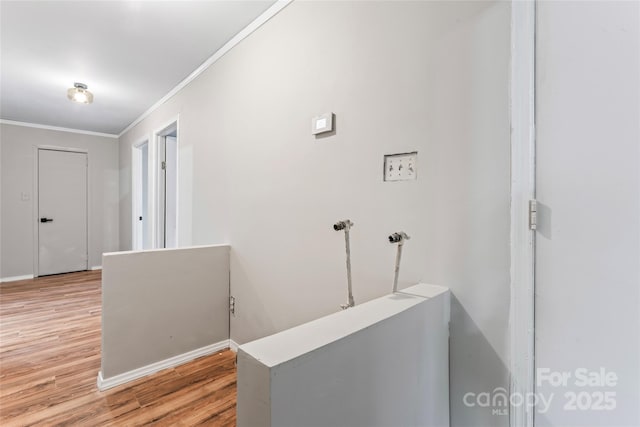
(67, 149)
(167, 126)
(96, 267)
(257, 23)
(16, 278)
(233, 346)
(106, 383)
(159, 211)
(143, 140)
(152, 190)
(57, 128)
(136, 160)
(35, 211)
(522, 308)
(177, 207)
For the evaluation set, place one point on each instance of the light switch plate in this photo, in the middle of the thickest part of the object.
(401, 167)
(322, 123)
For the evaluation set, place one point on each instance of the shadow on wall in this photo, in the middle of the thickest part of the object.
(544, 220)
(477, 375)
(253, 292)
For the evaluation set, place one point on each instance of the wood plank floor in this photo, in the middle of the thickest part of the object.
(50, 358)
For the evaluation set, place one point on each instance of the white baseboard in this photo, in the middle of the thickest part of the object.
(107, 383)
(233, 346)
(16, 278)
(96, 267)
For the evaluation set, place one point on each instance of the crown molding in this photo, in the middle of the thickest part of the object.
(57, 128)
(254, 25)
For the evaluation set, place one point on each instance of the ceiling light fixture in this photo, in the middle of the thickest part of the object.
(79, 93)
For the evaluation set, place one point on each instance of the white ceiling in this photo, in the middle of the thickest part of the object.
(129, 53)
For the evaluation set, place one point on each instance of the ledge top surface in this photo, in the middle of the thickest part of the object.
(283, 346)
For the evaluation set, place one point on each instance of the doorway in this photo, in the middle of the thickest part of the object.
(141, 224)
(167, 146)
(62, 213)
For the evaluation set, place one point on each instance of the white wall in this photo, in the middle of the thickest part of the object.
(588, 185)
(159, 304)
(400, 76)
(17, 144)
(382, 363)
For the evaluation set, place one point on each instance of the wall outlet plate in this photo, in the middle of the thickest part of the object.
(401, 167)
(322, 123)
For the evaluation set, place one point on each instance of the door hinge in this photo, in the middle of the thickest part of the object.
(163, 165)
(232, 305)
(533, 214)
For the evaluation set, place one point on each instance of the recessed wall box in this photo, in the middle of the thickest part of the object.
(401, 167)
(322, 123)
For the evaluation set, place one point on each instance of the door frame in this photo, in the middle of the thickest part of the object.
(158, 208)
(522, 307)
(36, 200)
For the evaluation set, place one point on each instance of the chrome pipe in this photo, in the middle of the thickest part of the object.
(398, 238)
(346, 226)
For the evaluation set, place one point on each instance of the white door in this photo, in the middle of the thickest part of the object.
(62, 212)
(588, 235)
